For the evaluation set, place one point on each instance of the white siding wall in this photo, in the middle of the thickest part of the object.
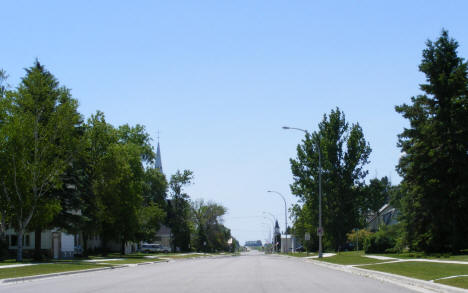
(46, 240)
(68, 242)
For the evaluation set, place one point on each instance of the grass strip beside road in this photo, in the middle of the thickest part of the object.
(41, 269)
(177, 256)
(131, 261)
(461, 282)
(409, 255)
(299, 254)
(350, 258)
(421, 270)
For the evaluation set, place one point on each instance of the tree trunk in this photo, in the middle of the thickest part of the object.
(122, 247)
(85, 244)
(3, 228)
(104, 246)
(37, 244)
(19, 245)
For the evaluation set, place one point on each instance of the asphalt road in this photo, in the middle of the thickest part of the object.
(252, 272)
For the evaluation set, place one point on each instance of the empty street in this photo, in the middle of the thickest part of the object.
(250, 272)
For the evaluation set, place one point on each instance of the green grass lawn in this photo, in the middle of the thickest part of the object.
(300, 254)
(12, 262)
(461, 282)
(408, 255)
(176, 256)
(41, 269)
(133, 260)
(350, 258)
(421, 270)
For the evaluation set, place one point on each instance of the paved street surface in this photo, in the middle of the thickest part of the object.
(252, 272)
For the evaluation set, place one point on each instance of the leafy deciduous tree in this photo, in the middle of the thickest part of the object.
(39, 144)
(345, 152)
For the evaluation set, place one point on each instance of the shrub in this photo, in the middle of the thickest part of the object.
(382, 241)
(359, 235)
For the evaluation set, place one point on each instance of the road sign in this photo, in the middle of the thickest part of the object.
(320, 231)
(307, 236)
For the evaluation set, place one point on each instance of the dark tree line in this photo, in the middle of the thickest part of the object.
(432, 198)
(58, 170)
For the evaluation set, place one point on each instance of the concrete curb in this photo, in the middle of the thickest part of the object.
(44, 276)
(414, 284)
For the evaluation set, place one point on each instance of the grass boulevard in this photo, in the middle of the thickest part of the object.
(449, 270)
(11, 269)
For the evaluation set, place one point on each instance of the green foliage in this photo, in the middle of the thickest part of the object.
(434, 166)
(56, 171)
(345, 152)
(155, 187)
(120, 192)
(359, 236)
(179, 211)
(39, 141)
(207, 218)
(150, 218)
(376, 194)
(382, 241)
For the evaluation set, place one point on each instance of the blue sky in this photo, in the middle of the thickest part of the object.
(220, 78)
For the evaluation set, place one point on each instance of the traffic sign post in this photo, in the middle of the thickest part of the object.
(307, 238)
(320, 231)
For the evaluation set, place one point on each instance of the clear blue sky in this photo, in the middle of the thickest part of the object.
(220, 78)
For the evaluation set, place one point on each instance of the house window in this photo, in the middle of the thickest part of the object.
(13, 240)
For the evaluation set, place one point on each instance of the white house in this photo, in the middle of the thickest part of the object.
(387, 215)
(289, 241)
(56, 243)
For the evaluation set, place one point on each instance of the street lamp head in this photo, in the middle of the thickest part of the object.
(286, 127)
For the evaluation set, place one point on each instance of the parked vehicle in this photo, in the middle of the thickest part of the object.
(154, 247)
(300, 249)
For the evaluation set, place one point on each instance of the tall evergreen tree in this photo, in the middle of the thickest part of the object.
(434, 166)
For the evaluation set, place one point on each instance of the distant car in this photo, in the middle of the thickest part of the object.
(164, 249)
(148, 248)
(300, 249)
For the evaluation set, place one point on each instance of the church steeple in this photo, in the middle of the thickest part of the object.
(158, 163)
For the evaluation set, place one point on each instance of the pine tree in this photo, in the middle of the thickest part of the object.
(434, 166)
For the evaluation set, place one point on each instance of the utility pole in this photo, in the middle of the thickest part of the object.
(320, 228)
(285, 220)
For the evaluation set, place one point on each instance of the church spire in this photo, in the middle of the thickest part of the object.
(158, 163)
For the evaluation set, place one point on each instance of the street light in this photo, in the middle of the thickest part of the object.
(268, 227)
(320, 229)
(270, 214)
(273, 225)
(285, 219)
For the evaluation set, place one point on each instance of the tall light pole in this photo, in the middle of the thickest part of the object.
(285, 219)
(273, 220)
(268, 228)
(320, 229)
(270, 214)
